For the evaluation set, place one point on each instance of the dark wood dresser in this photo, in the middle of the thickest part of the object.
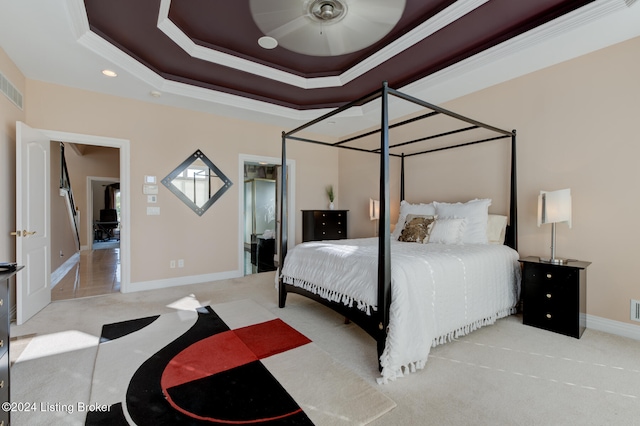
(554, 297)
(318, 225)
(4, 342)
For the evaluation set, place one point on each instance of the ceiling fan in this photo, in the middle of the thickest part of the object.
(325, 27)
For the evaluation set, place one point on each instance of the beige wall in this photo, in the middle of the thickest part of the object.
(577, 128)
(160, 139)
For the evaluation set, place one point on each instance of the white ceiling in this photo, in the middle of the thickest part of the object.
(50, 41)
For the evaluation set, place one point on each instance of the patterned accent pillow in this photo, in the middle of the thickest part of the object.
(417, 229)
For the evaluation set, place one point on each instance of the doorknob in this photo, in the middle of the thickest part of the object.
(23, 233)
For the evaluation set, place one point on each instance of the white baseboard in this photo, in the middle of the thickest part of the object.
(63, 269)
(614, 327)
(180, 281)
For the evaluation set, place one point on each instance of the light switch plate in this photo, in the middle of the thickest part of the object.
(152, 198)
(150, 180)
(153, 211)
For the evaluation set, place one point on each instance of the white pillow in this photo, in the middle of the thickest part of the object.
(447, 230)
(407, 209)
(477, 214)
(496, 228)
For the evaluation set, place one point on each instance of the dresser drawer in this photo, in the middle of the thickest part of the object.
(330, 225)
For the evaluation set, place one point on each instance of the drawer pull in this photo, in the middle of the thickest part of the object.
(323, 232)
(548, 295)
(1, 343)
(548, 275)
(1, 302)
(339, 232)
(1, 384)
(323, 224)
(548, 316)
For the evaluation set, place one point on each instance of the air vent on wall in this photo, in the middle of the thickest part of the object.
(635, 310)
(10, 91)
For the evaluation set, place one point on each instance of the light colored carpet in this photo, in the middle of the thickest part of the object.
(504, 374)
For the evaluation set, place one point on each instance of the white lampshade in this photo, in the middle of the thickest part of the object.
(374, 209)
(554, 207)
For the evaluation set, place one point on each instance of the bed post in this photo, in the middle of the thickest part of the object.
(402, 178)
(384, 231)
(282, 253)
(512, 238)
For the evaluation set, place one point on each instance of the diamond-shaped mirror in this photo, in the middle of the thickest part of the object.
(197, 182)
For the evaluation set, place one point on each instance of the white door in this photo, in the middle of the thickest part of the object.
(33, 291)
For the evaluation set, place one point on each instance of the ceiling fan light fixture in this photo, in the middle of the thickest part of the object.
(267, 42)
(327, 10)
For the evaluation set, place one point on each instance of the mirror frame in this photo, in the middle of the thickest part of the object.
(198, 155)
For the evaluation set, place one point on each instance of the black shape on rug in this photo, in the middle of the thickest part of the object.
(119, 329)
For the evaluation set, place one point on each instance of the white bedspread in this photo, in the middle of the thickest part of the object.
(438, 292)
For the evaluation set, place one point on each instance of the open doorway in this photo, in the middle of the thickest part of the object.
(95, 269)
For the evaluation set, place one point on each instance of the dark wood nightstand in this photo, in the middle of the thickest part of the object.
(554, 297)
(320, 225)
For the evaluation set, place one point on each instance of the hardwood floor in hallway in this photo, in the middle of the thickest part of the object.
(97, 272)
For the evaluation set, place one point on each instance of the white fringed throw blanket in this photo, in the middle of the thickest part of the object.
(438, 292)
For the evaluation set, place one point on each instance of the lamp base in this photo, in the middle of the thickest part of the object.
(554, 261)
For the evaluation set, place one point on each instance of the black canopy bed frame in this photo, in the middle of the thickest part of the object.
(377, 322)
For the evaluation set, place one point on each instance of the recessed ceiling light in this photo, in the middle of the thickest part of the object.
(267, 42)
(155, 93)
(109, 73)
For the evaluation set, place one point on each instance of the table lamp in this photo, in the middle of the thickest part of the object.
(554, 207)
(374, 211)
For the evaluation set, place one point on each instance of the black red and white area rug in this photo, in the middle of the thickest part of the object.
(229, 364)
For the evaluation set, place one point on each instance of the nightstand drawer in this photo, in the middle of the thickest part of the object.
(549, 274)
(553, 318)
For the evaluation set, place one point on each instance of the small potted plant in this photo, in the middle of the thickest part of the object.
(331, 196)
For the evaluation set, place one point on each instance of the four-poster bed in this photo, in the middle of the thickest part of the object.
(373, 312)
